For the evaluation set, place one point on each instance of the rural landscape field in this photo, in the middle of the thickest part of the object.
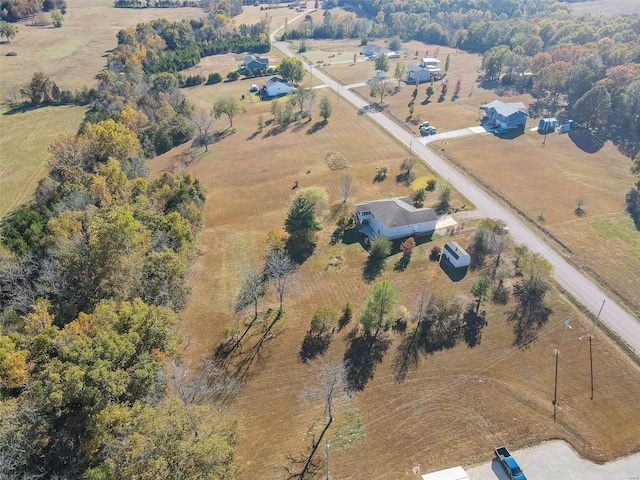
(130, 323)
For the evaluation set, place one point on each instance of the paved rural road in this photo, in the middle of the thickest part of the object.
(557, 460)
(580, 287)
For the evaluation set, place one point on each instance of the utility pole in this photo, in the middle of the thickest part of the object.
(590, 350)
(555, 390)
(326, 447)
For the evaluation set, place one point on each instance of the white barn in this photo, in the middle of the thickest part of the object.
(457, 256)
(394, 218)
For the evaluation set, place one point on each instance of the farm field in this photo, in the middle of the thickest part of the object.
(24, 142)
(549, 179)
(606, 7)
(458, 404)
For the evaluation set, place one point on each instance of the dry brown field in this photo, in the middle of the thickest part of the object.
(609, 8)
(458, 404)
(549, 179)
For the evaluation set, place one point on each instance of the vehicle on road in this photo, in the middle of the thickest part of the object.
(509, 464)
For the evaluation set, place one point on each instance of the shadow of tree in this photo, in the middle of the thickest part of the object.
(587, 141)
(316, 127)
(402, 263)
(277, 130)
(372, 269)
(344, 320)
(362, 356)
(313, 346)
(472, 327)
(407, 356)
(351, 236)
(235, 360)
(300, 251)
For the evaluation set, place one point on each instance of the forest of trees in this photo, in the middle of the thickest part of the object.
(14, 10)
(93, 274)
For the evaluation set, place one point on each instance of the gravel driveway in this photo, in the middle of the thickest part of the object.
(556, 460)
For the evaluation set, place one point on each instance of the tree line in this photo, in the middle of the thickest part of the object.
(15, 10)
(93, 274)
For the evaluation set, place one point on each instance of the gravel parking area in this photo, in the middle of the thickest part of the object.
(557, 460)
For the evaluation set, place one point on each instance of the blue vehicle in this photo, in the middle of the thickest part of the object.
(509, 464)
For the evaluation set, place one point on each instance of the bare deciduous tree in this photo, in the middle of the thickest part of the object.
(203, 121)
(280, 270)
(195, 386)
(330, 385)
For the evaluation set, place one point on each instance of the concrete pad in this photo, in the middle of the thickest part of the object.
(557, 460)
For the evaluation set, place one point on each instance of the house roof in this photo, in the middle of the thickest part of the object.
(506, 109)
(397, 212)
(376, 49)
(412, 67)
(254, 58)
(275, 80)
(455, 250)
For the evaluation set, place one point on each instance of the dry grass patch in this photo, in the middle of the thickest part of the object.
(74, 54)
(606, 7)
(548, 180)
(459, 402)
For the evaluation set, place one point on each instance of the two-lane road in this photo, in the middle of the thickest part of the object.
(574, 282)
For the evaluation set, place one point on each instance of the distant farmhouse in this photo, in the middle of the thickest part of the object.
(252, 63)
(423, 72)
(277, 86)
(505, 115)
(394, 218)
(373, 51)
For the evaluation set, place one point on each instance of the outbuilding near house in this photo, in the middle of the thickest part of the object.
(394, 218)
(456, 255)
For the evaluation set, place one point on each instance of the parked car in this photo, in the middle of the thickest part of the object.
(429, 130)
(254, 88)
(509, 464)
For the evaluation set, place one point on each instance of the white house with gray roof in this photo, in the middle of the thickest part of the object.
(394, 218)
(506, 115)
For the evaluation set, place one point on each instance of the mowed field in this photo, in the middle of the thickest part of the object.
(458, 404)
(72, 56)
(24, 140)
(606, 7)
(548, 180)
